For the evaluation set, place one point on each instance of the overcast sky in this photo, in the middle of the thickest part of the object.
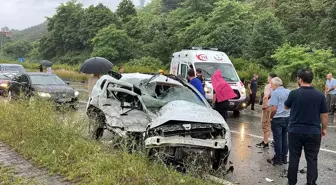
(21, 14)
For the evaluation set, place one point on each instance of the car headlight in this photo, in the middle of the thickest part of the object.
(44, 95)
(76, 93)
(207, 90)
(5, 85)
(243, 91)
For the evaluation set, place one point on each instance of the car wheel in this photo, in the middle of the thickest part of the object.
(221, 159)
(97, 123)
(236, 113)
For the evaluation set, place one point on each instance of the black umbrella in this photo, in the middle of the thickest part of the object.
(46, 63)
(96, 65)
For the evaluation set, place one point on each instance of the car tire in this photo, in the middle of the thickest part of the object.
(97, 124)
(221, 159)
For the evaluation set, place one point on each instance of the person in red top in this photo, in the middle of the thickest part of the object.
(222, 93)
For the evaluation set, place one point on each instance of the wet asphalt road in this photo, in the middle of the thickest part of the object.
(249, 162)
(250, 166)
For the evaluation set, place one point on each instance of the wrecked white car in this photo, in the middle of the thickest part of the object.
(163, 113)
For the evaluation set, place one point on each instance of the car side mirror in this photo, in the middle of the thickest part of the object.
(67, 82)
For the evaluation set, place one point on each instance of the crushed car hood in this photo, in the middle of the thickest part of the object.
(186, 111)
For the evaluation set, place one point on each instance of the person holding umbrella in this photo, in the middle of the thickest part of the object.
(46, 64)
(221, 94)
(96, 66)
(41, 68)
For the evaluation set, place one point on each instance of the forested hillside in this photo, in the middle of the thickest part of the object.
(33, 33)
(257, 34)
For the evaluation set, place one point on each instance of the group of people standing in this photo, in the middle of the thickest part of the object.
(222, 91)
(294, 118)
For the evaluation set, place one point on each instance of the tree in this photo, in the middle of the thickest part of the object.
(34, 53)
(126, 10)
(17, 49)
(327, 27)
(95, 19)
(299, 20)
(63, 30)
(113, 44)
(228, 27)
(267, 35)
(292, 58)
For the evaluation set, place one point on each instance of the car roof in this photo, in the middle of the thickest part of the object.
(11, 65)
(129, 77)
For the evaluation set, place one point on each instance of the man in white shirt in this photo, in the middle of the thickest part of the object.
(266, 113)
(330, 90)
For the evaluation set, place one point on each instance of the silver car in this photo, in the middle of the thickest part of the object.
(163, 113)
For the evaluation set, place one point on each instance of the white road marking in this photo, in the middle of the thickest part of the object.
(331, 126)
(260, 137)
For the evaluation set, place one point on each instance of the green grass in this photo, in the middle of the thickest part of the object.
(7, 177)
(59, 143)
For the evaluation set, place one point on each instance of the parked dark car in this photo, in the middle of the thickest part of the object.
(43, 85)
(5, 79)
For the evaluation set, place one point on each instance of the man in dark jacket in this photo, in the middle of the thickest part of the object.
(200, 76)
(308, 109)
(253, 89)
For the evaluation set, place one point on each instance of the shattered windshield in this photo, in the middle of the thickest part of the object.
(227, 70)
(172, 94)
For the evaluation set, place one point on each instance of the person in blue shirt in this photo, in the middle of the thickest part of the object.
(279, 123)
(330, 92)
(195, 82)
(308, 110)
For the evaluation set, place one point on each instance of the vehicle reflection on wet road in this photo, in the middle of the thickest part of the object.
(250, 162)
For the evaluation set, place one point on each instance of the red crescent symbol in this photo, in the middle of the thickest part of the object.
(202, 57)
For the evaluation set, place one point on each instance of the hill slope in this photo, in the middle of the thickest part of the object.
(33, 33)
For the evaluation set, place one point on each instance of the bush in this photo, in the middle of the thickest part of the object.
(58, 143)
(143, 65)
(246, 69)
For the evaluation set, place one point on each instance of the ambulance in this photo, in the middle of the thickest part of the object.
(210, 60)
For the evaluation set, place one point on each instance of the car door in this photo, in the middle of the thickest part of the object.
(184, 70)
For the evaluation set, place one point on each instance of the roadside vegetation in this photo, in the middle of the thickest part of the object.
(59, 142)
